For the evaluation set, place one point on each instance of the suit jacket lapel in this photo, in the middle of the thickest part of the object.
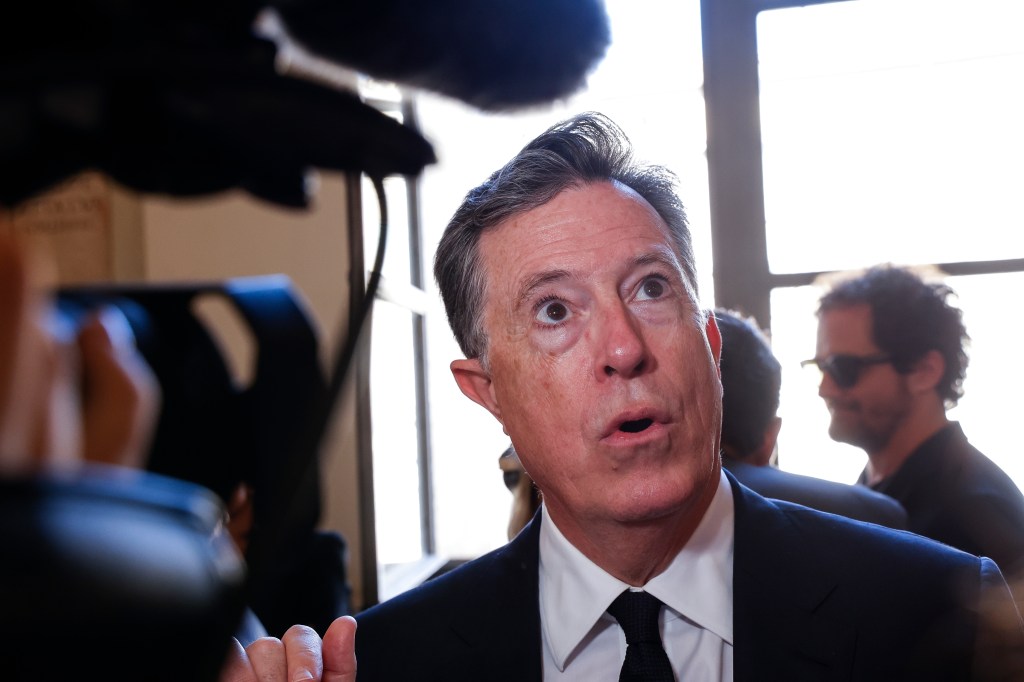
(778, 594)
(779, 589)
(498, 615)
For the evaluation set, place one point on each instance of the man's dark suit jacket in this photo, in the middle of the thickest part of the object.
(816, 597)
(852, 501)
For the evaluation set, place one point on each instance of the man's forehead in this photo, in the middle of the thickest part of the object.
(847, 325)
(576, 222)
(599, 196)
(853, 316)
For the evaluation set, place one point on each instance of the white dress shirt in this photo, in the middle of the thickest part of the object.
(582, 642)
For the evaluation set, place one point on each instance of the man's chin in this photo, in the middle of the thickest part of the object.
(842, 433)
(654, 506)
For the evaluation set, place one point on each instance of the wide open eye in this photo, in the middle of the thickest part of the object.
(651, 289)
(553, 312)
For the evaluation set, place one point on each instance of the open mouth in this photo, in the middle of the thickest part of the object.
(635, 425)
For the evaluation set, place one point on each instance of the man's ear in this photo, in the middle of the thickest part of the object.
(714, 340)
(927, 372)
(476, 384)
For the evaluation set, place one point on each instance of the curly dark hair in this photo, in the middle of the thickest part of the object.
(910, 317)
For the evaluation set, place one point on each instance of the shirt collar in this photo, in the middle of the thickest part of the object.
(697, 585)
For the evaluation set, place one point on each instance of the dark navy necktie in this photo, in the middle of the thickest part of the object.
(646, 660)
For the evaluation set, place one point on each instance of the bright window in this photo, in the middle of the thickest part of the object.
(892, 132)
(894, 128)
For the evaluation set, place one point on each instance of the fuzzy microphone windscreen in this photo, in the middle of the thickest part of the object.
(184, 99)
(492, 54)
(186, 121)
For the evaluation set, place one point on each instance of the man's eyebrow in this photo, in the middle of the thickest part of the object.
(666, 258)
(537, 281)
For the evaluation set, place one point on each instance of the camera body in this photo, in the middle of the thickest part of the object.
(128, 570)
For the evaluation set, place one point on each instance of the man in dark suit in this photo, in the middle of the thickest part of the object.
(751, 381)
(814, 598)
(569, 282)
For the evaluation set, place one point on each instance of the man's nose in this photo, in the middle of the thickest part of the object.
(827, 387)
(622, 350)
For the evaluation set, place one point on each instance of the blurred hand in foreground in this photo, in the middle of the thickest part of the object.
(67, 395)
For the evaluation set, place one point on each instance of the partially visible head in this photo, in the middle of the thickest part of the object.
(909, 318)
(751, 381)
(525, 496)
(585, 149)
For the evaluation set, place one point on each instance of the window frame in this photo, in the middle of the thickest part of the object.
(742, 277)
(409, 296)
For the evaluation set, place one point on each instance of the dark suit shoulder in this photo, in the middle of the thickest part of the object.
(839, 536)
(466, 624)
(855, 502)
(818, 593)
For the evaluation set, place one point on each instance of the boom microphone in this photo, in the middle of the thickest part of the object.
(493, 54)
(184, 99)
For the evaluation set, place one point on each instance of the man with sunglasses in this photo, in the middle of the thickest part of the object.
(891, 350)
(751, 383)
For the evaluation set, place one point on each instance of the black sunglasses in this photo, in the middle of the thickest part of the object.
(845, 370)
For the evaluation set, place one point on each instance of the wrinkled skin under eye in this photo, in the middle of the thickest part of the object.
(552, 312)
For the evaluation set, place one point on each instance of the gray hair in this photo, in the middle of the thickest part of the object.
(582, 150)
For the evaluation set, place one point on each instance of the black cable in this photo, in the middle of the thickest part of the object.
(307, 451)
(344, 358)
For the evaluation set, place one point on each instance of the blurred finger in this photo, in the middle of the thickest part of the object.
(58, 436)
(34, 382)
(121, 395)
(13, 304)
(16, 397)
